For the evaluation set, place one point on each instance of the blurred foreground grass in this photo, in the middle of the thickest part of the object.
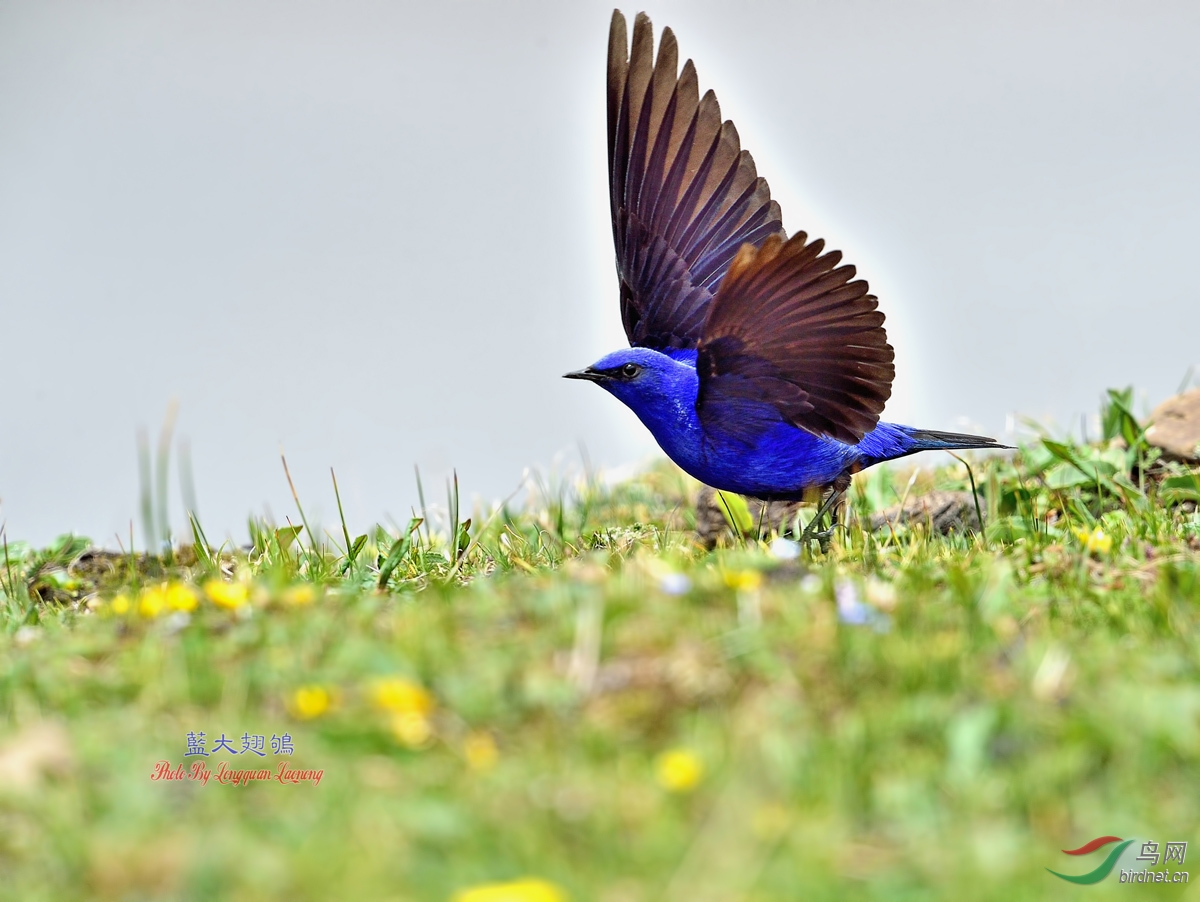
(578, 697)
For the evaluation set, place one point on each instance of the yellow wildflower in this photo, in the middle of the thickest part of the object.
(180, 597)
(401, 695)
(746, 580)
(480, 751)
(678, 770)
(412, 729)
(1095, 540)
(309, 702)
(527, 889)
(120, 604)
(226, 595)
(152, 601)
(298, 596)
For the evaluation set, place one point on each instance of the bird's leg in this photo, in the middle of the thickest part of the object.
(837, 491)
(840, 486)
(814, 531)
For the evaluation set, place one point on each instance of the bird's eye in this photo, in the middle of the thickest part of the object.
(630, 370)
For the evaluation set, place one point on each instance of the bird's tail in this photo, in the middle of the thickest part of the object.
(931, 440)
(889, 441)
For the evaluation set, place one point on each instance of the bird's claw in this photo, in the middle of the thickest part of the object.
(821, 536)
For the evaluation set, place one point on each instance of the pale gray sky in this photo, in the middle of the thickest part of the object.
(377, 233)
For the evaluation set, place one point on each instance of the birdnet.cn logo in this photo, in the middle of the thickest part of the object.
(1140, 855)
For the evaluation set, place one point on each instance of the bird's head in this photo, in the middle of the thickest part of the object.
(642, 378)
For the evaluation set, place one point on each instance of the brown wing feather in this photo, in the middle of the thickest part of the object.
(684, 195)
(790, 328)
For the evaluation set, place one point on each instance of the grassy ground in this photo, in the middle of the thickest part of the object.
(578, 695)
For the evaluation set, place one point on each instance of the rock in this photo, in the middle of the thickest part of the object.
(1175, 427)
(942, 512)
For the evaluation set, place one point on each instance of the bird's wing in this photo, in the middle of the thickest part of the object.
(684, 195)
(790, 336)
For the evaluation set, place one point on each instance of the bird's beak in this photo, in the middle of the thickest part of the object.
(589, 374)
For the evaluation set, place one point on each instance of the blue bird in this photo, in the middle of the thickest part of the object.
(759, 364)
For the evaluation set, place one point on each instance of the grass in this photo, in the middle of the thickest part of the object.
(575, 692)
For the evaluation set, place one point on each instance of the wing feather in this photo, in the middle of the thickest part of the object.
(684, 194)
(789, 331)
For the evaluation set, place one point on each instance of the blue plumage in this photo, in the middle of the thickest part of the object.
(781, 464)
(759, 363)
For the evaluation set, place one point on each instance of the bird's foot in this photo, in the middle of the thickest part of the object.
(813, 533)
(813, 530)
(823, 539)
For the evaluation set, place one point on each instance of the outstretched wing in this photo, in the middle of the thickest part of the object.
(790, 336)
(684, 195)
